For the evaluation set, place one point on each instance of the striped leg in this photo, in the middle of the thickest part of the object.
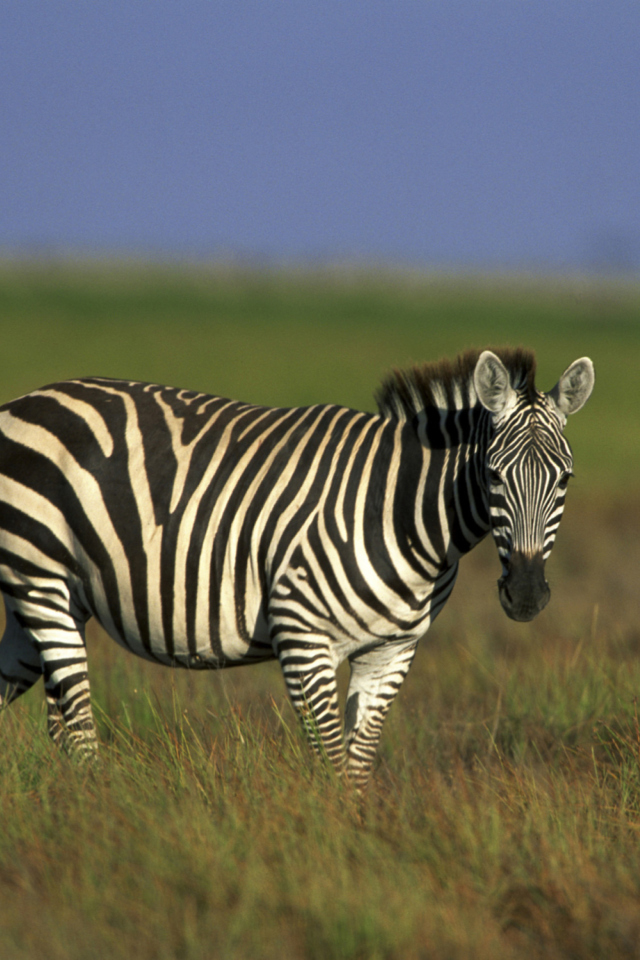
(20, 664)
(310, 675)
(58, 637)
(376, 677)
(20, 667)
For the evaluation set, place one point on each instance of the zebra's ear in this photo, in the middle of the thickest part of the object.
(492, 383)
(574, 387)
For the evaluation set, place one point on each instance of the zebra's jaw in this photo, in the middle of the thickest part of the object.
(524, 592)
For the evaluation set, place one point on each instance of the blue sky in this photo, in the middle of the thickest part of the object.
(463, 133)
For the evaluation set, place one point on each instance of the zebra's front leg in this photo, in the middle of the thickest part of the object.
(376, 676)
(310, 676)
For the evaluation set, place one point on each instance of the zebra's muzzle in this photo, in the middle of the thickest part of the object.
(524, 592)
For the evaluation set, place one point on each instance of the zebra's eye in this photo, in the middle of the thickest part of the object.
(495, 479)
(564, 481)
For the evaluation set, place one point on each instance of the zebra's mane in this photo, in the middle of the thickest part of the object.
(448, 384)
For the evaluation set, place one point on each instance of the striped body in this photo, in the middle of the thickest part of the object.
(204, 533)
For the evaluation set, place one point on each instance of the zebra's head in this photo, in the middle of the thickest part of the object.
(528, 465)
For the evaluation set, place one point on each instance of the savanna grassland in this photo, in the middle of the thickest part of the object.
(503, 820)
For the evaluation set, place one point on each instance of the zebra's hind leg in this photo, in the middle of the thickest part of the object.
(58, 637)
(376, 676)
(310, 675)
(20, 664)
(55, 722)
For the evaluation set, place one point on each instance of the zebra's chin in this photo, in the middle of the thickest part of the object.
(524, 592)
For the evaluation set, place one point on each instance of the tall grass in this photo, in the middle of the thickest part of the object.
(503, 819)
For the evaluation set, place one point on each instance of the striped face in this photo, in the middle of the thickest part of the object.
(528, 466)
(529, 463)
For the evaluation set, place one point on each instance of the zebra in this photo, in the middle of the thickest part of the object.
(203, 532)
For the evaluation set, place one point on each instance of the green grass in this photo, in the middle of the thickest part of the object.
(286, 339)
(503, 820)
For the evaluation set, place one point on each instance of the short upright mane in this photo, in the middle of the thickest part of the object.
(448, 384)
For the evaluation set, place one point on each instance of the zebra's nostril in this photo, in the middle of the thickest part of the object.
(507, 592)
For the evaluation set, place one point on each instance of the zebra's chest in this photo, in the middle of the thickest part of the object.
(348, 601)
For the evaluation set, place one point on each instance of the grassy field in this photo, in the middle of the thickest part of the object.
(503, 820)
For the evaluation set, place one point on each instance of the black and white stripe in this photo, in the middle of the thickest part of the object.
(203, 533)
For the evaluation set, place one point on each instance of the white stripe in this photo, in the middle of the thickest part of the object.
(89, 494)
(92, 417)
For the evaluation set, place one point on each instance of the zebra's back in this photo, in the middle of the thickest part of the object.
(164, 511)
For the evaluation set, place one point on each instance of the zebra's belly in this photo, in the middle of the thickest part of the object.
(232, 650)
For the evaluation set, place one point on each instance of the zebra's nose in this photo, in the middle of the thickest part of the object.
(524, 592)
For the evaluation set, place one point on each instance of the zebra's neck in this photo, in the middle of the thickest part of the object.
(438, 401)
(448, 513)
